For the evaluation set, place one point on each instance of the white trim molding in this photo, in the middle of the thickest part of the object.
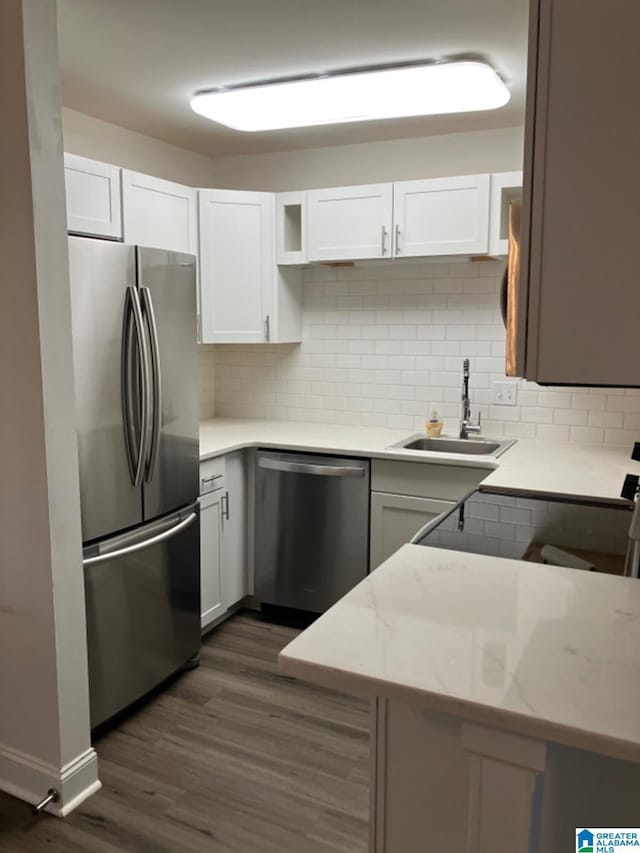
(29, 779)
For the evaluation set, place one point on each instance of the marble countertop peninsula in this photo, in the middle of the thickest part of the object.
(543, 651)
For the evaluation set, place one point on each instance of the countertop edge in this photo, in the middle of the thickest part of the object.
(470, 460)
(522, 724)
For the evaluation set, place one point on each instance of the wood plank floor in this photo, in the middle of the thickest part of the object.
(231, 757)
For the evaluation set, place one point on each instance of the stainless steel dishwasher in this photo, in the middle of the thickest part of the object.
(312, 528)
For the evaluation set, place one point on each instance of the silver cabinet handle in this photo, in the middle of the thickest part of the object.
(384, 241)
(133, 321)
(208, 484)
(211, 479)
(139, 546)
(267, 327)
(224, 500)
(156, 390)
(308, 468)
(397, 239)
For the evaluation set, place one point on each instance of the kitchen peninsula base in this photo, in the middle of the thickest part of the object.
(504, 699)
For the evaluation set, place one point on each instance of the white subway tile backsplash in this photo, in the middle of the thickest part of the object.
(583, 433)
(382, 345)
(573, 417)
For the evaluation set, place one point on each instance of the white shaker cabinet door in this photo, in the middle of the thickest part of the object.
(441, 216)
(211, 604)
(234, 531)
(395, 519)
(236, 265)
(349, 223)
(94, 205)
(159, 213)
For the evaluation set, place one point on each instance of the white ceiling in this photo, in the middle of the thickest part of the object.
(136, 63)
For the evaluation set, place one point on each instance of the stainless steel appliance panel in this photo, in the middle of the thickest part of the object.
(143, 610)
(167, 286)
(312, 528)
(100, 274)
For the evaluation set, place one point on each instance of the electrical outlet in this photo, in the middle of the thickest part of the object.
(505, 393)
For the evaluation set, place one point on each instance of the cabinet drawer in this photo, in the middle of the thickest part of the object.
(212, 475)
(448, 482)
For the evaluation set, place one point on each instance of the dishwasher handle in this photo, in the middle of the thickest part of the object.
(308, 468)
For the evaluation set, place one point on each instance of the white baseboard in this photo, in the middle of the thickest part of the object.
(29, 779)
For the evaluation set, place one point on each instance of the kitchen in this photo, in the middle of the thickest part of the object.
(335, 335)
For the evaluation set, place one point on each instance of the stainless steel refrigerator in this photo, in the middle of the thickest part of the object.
(136, 381)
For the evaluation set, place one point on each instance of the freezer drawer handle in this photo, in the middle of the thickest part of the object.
(307, 468)
(145, 543)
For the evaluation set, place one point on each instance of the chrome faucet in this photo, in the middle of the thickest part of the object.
(466, 424)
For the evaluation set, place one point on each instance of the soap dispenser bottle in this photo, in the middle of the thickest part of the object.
(434, 425)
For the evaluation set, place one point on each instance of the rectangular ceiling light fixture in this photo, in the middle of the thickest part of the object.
(412, 90)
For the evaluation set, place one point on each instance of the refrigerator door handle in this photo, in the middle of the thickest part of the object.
(136, 446)
(156, 379)
(141, 544)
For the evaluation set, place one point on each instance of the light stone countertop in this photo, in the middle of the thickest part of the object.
(543, 651)
(588, 471)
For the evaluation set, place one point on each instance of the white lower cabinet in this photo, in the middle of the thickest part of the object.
(395, 519)
(211, 605)
(223, 536)
(407, 495)
(234, 531)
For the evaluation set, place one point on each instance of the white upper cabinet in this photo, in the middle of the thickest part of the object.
(159, 213)
(581, 210)
(244, 297)
(505, 188)
(441, 216)
(350, 223)
(236, 261)
(94, 205)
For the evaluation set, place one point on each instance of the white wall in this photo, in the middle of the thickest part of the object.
(44, 701)
(395, 160)
(384, 344)
(100, 140)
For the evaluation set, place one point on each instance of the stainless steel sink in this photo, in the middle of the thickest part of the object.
(466, 446)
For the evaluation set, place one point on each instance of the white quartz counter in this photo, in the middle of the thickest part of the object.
(560, 468)
(543, 651)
